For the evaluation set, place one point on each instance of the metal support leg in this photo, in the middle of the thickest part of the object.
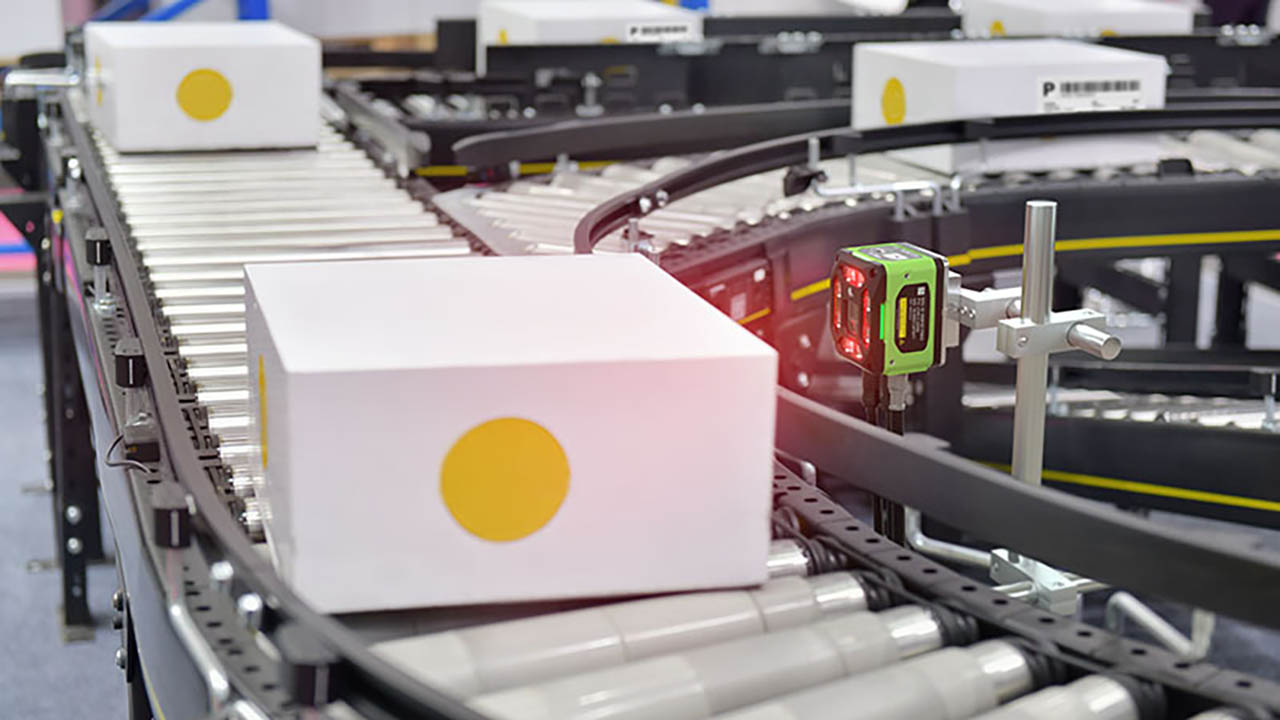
(77, 530)
(1122, 605)
(1229, 318)
(1183, 299)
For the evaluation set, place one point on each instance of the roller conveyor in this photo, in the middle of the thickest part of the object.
(494, 657)
(948, 684)
(718, 678)
(198, 218)
(193, 246)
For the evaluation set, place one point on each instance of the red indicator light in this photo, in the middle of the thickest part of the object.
(850, 347)
(854, 276)
(866, 318)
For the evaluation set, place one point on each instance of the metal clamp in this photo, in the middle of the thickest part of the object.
(1020, 337)
(1045, 586)
(981, 309)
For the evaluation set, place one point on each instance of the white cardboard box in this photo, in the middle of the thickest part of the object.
(921, 82)
(1076, 18)
(29, 26)
(443, 432)
(369, 18)
(1042, 154)
(581, 22)
(202, 86)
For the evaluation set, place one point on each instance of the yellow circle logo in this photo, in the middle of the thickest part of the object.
(893, 102)
(504, 479)
(997, 28)
(204, 94)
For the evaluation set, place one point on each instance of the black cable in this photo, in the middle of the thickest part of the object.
(122, 463)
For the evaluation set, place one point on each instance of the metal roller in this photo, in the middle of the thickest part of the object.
(198, 218)
(947, 684)
(494, 657)
(1094, 697)
(718, 678)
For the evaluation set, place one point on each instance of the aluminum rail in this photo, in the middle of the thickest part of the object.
(841, 141)
(1219, 574)
(637, 136)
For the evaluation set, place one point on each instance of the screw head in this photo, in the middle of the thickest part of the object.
(220, 573)
(117, 600)
(73, 514)
(802, 379)
(805, 342)
(122, 658)
(74, 546)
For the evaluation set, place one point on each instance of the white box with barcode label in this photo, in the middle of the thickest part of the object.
(584, 22)
(921, 82)
(1076, 18)
(473, 430)
(202, 85)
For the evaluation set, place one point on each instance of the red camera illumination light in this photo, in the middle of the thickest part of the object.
(854, 277)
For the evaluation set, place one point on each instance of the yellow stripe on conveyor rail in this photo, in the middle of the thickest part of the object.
(1142, 488)
(1111, 243)
(1131, 241)
(542, 168)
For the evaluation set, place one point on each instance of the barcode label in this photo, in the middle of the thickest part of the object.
(1090, 87)
(661, 32)
(1059, 95)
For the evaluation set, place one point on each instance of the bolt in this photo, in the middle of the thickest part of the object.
(117, 621)
(802, 379)
(645, 204)
(220, 574)
(117, 600)
(73, 514)
(662, 197)
(805, 342)
(1023, 340)
(249, 606)
(74, 546)
(122, 658)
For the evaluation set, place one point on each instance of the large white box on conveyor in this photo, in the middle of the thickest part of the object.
(922, 82)
(1077, 17)
(202, 85)
(498, 429)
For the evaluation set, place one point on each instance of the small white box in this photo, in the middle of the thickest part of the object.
(443, 432)
(369, 18)
(584, 22)
(1089, 18)
(921, 82)
(202, 86)
(29, 26)
(1041, 154)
